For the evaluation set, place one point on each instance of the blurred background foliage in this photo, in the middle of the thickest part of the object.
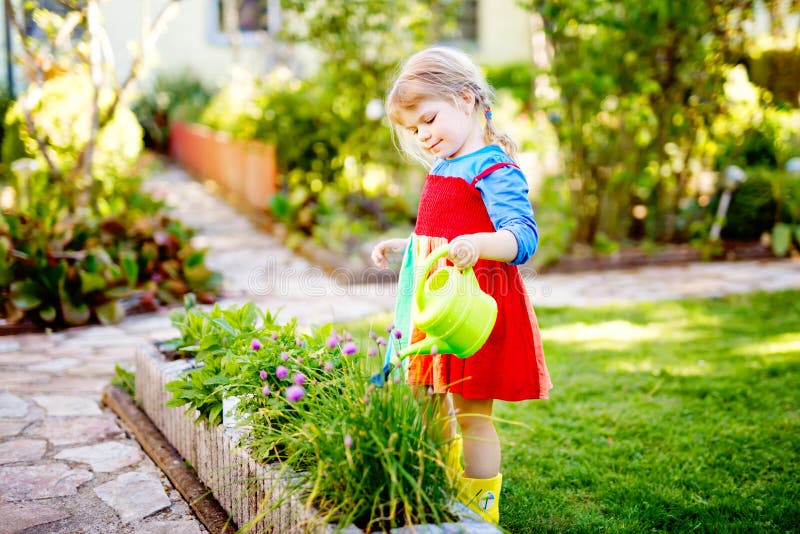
(80, 241)
(626, 127)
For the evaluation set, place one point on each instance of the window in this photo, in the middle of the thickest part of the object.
(248, 17)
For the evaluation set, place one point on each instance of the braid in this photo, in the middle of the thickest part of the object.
(490, 134)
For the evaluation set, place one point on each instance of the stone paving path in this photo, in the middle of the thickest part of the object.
(69, 465)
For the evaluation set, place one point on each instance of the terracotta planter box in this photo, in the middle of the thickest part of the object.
(261, 173)
(240, 484)
(247, 170)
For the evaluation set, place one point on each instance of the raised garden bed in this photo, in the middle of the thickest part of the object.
(242, 486)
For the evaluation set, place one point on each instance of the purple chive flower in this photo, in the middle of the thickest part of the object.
(332, 341)
(295, 393)
(373, 335)
(274, 336)
(398, 334)
(281, 372)
(263, 374)
(265, 391)
(255, 344)
(347, 336)
(380, 341)
(299, 379)
(298, 342)
(396, 379)
(372, 351)
(349, 348)
(328, 367)
(285, 356)
(434, 350)
(390, 328)
(299, 360)
(348, 441)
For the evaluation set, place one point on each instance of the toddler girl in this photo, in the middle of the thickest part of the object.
(475, 199)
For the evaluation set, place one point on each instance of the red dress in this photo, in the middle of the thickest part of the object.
(510, 366)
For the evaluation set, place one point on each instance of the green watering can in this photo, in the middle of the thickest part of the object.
(450, 307)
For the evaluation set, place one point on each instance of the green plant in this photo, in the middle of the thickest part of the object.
(180, 96)
(123, 254)
(79, 240)
(124, 379)
(364, 454)
(60, 117)
(514, 77)
(637, 87)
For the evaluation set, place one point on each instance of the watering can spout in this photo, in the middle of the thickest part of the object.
(426, 346)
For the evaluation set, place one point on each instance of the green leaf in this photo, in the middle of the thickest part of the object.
(74, 314)
(25, 295)
(120, 292)
(215, 415)
(48, 314)
(781, 239)
(797, 234)
(111, 312)
(129, 266)
(218, 380)
(91, 281)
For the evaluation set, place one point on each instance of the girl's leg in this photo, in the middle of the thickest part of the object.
(481, 444)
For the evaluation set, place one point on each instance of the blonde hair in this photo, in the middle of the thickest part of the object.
(444, 73)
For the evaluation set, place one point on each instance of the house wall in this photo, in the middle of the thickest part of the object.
(504, 34)
(189, 42)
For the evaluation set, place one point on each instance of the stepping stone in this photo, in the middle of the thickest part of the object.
(134, 495)
(24, 515)
(104, 457)
(56, 365)
(24, 483)
(9, 428)
(61, 405)
(22, 450)
(9, 346)
(169, 527)
(75, 430)
(12, 406)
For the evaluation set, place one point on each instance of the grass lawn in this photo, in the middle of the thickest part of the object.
(670, 416)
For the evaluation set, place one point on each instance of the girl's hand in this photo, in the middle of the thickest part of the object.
(387, 245)
(465, 251)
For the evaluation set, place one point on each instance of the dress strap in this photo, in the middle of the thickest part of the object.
(486, 172)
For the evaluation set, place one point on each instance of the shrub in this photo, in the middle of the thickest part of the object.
(61, 118)
(180, 96)
(60, 268)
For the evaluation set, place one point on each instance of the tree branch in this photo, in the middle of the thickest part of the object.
(24, 100)
(150, 37)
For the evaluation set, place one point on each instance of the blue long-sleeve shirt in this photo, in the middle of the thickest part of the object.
(504, 192)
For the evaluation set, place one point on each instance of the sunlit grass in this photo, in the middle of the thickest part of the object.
(690, 423)
(670, 416)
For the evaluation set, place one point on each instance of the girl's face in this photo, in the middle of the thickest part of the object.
(443, 128)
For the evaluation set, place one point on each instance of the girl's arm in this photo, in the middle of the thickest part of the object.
(388, 245)
(467, 249)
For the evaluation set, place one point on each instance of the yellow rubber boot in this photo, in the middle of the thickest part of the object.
(452, 456)
(482, 496)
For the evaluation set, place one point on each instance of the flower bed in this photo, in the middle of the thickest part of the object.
(238, 482)
(318, 445)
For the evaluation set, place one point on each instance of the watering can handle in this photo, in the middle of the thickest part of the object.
(430, 261)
